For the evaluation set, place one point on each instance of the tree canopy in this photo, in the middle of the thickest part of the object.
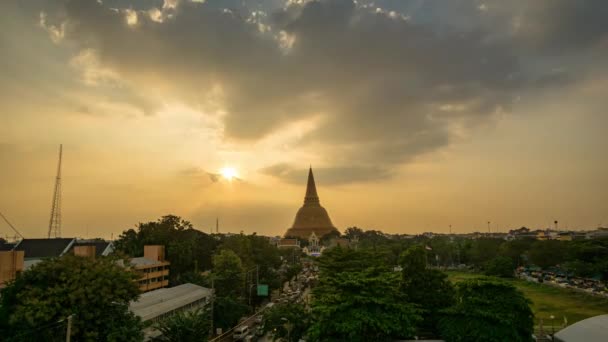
(228, 274)
(283, 317)
(95, 292)
(357, 300)
(429, 289)
(188, 249)
(487, 310)
(192, 326)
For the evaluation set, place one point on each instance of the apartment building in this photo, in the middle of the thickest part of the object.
(153, 267)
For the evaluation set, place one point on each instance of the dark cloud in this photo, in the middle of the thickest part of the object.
(389, 80)
(326, 175)
(563, 26)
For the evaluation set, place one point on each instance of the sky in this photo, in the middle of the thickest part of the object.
(414, 114)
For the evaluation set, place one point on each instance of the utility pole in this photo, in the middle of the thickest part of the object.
(488, 227)
(68, 336)
(212, 301)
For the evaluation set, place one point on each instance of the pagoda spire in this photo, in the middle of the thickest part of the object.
(311, 197)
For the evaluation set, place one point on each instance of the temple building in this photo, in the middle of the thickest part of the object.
(312, 217)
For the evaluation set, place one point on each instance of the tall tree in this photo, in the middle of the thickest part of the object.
(487, 310)
(228, 274)
(95, 292)
(429, 289)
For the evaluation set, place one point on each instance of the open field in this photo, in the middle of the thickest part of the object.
(548, 300)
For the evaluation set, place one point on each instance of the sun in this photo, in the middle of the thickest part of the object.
(229, 173)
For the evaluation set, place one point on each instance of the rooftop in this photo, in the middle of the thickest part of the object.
(44, 248)
(143, 261)
(155, 303)
(594, 329)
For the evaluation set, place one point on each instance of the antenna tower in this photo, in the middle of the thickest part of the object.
(55, 221)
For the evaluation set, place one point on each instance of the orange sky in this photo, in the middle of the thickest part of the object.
(403, 136)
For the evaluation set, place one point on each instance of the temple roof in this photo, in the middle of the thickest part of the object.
(311, 217)
(311, 190)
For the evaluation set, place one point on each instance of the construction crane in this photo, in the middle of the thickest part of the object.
(10, 225)
(55, 221)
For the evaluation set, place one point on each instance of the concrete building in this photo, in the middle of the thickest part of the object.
(153, 267)
(311, 217)
(157, 305)
(11, 264)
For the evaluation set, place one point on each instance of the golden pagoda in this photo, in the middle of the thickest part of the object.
(312, 217)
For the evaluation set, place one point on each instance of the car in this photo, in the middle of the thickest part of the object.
(240, 333)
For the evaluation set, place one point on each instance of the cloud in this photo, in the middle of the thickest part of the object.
(201, 177)
(563, 26)
(326, 175)
(390, 83)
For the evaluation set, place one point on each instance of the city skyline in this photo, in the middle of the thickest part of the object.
(414, 115)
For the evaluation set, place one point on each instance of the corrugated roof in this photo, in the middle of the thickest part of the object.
(155, 303)
(43, 248)
(594, 329)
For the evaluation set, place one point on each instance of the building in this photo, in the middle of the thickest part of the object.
(11, 264)
(311, 217)
(594, 329)
(102, 247)
(28, 252)
(597, 234)
(153, 267)
(157, 305)
(288, 243)
(313, 248)
(36, 250)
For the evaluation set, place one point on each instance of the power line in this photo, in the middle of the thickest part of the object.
(12, 227)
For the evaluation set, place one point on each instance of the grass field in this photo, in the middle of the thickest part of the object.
(548, 300)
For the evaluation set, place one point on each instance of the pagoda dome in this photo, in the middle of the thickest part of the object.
(311, 217)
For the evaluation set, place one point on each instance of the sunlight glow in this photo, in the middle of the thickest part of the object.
(228, 173)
